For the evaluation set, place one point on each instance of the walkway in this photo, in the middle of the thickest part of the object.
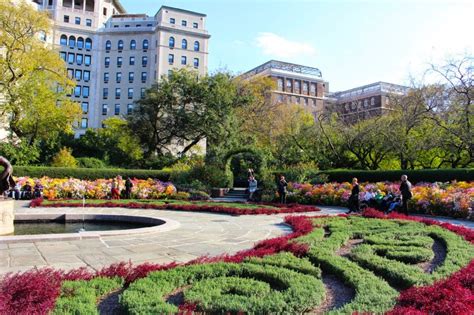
(197, 234)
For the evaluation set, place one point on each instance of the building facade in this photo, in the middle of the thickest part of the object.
(295, 84)
(365, 101)
(114, 56)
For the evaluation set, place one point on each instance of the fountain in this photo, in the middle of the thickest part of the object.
(6, 205)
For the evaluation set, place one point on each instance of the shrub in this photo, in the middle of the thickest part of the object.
(64, 158)
(88, 162)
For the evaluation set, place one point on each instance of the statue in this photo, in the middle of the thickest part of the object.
(6, 179)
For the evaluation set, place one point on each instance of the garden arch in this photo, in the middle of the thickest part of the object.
(256, 159)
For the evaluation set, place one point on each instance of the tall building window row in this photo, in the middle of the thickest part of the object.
(72, 42)
(84, 89)
(72, 58)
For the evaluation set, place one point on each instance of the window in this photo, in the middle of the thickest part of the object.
(70, 58)
(120, 45)
(84, 123)
(127, 25)
(366, 103)
(88, 22)
(170, 59)
(129, 109)
(119, 61)
(107, 62)
(79, 59)
(78, 75)
(132, 60)
(184, 23)
(144, 77)
(172, 21)
(42, 36)
(133, 44)
(70, 73)
(117, 109)
(104, 11)
(106, 77)
(85, 91)
(85, 107)
(184, 44)
(171, 42)
(196, 62)
(313, 89)
(63, 55)
(86, 76)
(80, 42)
(66, 19)
(130, 93)
(297, 86)
(305, 87)
(108, 45)
(117, 93)
(142, 92)
(77, 91)
(63, 40)
(280, 84)
(105, 93)
(196, 46)
(87, 60)
(144, 61)
(78, 20)
(288, 85)
(195, 25)
(118, 77)
(183, 60)
(88, 43)
(372, 101)
(131, 77)
(145, 44)
(149, 25)
(72, 41)
(105, 109)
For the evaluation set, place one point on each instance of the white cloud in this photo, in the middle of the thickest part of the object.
(279, 47)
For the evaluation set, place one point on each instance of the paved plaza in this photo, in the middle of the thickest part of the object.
(195, 234)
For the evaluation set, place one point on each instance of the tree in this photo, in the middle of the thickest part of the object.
(64, 158)
(33, 78)
(455, 111)
(186, 108)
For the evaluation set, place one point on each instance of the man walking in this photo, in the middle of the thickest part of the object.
(405, 190)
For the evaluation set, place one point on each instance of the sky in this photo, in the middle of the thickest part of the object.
(352, 42)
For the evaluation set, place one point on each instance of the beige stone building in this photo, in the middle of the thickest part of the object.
(114, 56)
(294, 83)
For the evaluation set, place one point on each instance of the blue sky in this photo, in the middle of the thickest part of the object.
(352, 42)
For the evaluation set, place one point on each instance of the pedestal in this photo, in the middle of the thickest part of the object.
(7, 215)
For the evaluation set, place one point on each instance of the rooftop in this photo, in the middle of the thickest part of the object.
(164, 7)
(372, 88)
(285, 66)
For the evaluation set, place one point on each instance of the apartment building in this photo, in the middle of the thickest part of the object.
(294, 83)
(114, 56)
(365, 101)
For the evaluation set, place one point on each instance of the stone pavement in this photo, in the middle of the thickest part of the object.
(198, 234)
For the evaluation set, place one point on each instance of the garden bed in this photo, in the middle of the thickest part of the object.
(179, 205)
(282, 275)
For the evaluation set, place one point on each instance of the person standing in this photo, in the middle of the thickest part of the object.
(252, 187)
(405, 190)
(282, 189)
(128, 188)
(115, 194)
(353, 201)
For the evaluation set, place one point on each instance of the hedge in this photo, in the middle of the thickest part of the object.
(89, 173)
(414, 176)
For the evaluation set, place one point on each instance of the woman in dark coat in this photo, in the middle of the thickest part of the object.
(353, 201)
(405, 190)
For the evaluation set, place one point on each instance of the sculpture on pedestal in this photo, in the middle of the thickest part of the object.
(6, 179)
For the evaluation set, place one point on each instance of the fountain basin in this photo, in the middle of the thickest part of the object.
(152, 224)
